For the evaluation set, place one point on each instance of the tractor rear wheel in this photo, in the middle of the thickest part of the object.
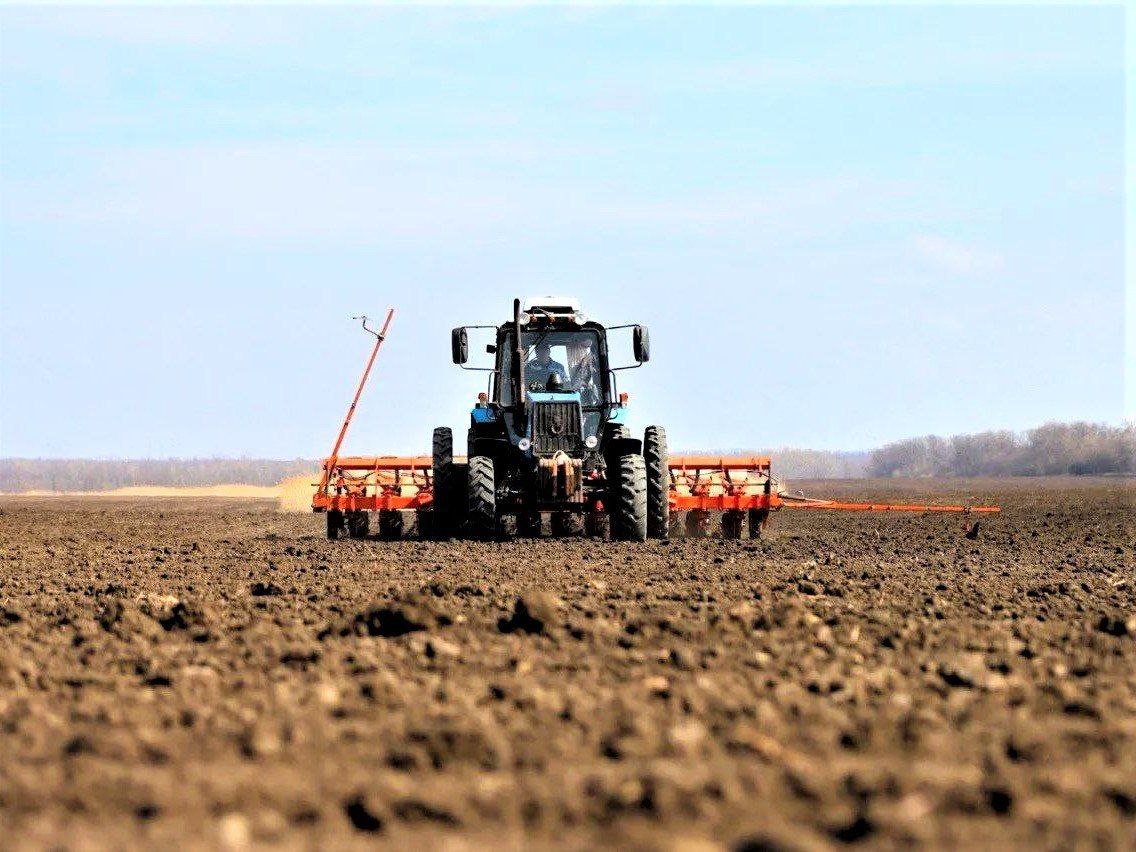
(482, 493)
(614, 431)
(445, 520)
(658, 482)
(390, 523)
(629, 502)
(334, 524)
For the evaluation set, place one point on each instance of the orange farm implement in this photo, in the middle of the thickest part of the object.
(548, 438)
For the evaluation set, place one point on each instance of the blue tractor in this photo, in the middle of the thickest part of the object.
(548, 437)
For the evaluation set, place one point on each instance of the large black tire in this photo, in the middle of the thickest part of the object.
(445, 516)
(658, 482)
(629, 504)
(615, 430)
(358, 524)
(390, 524)
(334, 524)
(482, 492)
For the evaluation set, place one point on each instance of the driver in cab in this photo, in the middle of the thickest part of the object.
(542, 368)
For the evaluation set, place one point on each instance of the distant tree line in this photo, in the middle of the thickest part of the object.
(1052, 449)
(105, 474)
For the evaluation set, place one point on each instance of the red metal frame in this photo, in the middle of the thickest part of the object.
(722, 483)
(707, 483)
(712, 484)
(808, 503)
(374, 484)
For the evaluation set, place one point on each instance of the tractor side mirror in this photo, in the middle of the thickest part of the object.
(641, 343)
(459, 345)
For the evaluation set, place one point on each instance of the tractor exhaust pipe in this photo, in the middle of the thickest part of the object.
(519, 372)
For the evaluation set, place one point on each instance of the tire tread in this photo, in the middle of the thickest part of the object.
(655, 455)
(629, 514)
(482, 516)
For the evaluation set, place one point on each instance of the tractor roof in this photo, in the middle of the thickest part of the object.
(558, 306)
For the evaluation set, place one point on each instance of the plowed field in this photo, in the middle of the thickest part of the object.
(206, 672)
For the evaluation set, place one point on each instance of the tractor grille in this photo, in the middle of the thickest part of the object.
(556, 427)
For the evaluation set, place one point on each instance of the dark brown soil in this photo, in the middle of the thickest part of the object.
(206, 673)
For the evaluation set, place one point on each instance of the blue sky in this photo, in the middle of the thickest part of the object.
(843, 225)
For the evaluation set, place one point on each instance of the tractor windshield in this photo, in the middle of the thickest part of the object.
(563, 361)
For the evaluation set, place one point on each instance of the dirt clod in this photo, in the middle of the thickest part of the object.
(362, 815)
(533, 612)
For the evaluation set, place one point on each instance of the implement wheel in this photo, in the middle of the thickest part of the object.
(528, 524)
(358, 524)
(697, 523)
(390, 523)
(482, 494)
(658, 482)
(758, 523)
(629, 502)
(733, 521)
(566, 524)
(334, 524)
(445, 513)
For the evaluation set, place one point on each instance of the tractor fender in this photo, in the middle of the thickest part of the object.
(486, 446)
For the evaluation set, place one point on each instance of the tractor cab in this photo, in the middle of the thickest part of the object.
(563, 366)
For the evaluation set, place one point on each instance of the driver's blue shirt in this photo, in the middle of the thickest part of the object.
(538, 372)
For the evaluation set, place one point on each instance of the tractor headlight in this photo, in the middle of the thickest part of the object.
(591, 441)
(524, 444)
(524, 319)
(581, 318)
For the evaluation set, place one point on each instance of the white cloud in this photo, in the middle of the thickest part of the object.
(957, 258)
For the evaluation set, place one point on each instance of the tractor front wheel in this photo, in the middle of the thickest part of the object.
(629, 503)
(658, 482)
(482, 492)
